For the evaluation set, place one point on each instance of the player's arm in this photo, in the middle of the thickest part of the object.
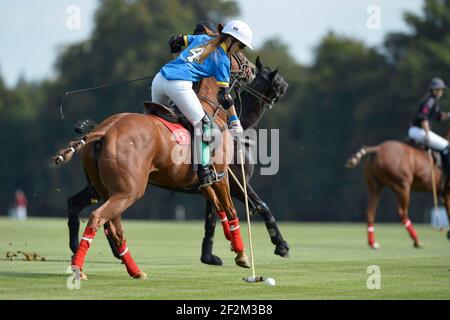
(176, 43)
(226, 100)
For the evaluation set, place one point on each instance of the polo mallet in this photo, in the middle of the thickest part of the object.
(253, 278)
(238, 183)
(433, 183)
(67, 93)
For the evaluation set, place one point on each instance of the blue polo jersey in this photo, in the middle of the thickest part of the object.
(187, 67)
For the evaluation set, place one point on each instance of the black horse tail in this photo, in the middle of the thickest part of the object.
(357, 157)
(85, 126)
(65, 155)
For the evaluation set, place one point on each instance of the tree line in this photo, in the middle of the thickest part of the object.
(351, 94)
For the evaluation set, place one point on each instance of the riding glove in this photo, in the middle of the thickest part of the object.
(235, 128)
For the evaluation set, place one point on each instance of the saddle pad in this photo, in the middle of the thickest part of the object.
(179, 132)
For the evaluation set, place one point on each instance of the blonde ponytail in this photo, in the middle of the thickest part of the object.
(211, 45)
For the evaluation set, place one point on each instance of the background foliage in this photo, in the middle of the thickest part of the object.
(350, 95)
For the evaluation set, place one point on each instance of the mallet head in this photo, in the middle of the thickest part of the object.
(253, 279)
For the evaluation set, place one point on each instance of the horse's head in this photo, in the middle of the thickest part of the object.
(268, 86)
(262, 93)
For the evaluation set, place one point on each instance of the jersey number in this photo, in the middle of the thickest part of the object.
(195, 54)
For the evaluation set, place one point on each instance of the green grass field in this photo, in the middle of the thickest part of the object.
(328, 261)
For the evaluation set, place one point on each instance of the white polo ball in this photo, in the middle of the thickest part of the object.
(269, 282)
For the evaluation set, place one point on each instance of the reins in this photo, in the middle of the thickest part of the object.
(241, 74)
(261, 97)
(236, 75)
(236, 84)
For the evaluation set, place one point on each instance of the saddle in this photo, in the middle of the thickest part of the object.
(180, 127)
(170, 114)
(176, 122)
(437, 159)
(436, 155)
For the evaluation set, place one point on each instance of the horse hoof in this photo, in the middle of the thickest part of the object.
(448, 235)
(375, 246)
(418, 244)
(70, 270)
(141, 276)
(242, 260)
(83, 276)
(211, 260)
(282, 250)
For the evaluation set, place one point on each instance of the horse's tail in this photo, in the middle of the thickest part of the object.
(357, 157)
(65, 155)
(85, 126)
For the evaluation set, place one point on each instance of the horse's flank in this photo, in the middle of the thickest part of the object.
(394, 164)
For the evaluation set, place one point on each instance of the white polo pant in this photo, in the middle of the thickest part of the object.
(181, 93)
(436, 142)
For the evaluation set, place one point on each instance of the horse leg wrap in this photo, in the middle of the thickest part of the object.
(274, 232)
(236, 240)
(206, 155)
(226, 227)
(132, 268)
(410, 228)
(371, 234)
(85, 243)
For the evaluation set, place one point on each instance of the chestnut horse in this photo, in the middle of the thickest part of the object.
(401, 168)
(261, 94)
(128, 151)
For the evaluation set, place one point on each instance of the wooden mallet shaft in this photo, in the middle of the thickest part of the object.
(247, 212)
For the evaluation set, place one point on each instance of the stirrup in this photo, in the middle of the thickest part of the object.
(211, 178)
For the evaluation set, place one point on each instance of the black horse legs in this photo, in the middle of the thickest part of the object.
(260, 207)
(256, 206)
(76, 204)
(89, 195)
(207, 256)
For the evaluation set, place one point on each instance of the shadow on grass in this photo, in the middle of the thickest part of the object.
(88, 261)
(31, 275)
(61, 261)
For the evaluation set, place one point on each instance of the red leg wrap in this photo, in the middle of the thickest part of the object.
(85, 243)
(226, 227)
(132, 268)
(371, 234)
(410, 228)
(236, 240)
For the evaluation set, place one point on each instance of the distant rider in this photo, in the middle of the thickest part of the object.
(420, 130)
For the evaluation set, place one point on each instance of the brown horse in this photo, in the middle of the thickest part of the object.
(264, 91)
(128, 151)
(401, 168)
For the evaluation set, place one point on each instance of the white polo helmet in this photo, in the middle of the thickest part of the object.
(240, 31)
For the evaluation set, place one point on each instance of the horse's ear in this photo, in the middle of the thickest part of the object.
(258, 63)
(273, 74)
(219, 28)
